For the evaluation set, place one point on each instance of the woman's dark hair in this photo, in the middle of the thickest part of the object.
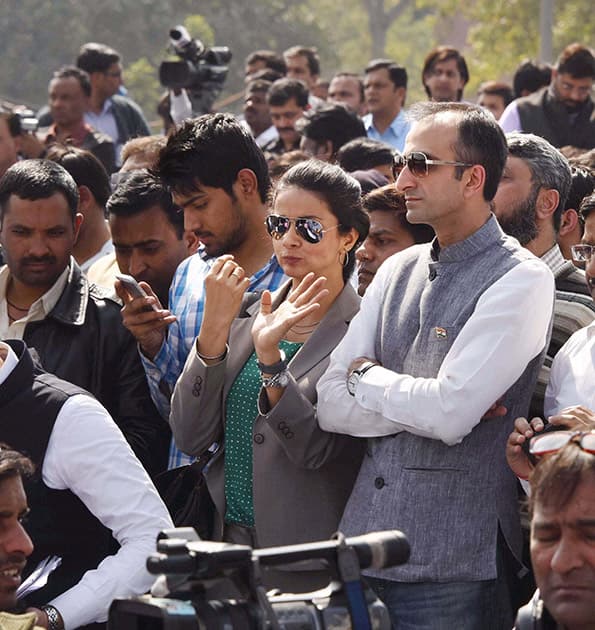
(339, 191)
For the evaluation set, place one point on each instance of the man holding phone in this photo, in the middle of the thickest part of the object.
(74, 326)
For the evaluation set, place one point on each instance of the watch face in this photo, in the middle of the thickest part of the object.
(283, 379)
(352, 382)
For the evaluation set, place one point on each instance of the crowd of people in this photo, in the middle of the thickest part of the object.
(363, 315)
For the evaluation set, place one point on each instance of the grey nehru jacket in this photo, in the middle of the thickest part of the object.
(449, 500)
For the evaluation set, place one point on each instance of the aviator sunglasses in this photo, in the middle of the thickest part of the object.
(310, 230)
(418, 163)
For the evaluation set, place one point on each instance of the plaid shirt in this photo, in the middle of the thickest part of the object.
(186, 302)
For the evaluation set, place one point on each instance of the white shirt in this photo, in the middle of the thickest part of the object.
(88, 455)
(506, 331)
(106, 248)
(510, 119)
(572, 377)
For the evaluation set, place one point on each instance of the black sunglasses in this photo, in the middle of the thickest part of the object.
(310, 230)
(418, 163)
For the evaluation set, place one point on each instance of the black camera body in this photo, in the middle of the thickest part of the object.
(201, 71)
(211, 585)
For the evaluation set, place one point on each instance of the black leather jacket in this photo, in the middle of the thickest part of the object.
(83, 340)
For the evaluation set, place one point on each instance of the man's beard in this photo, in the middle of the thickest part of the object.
(521, 221)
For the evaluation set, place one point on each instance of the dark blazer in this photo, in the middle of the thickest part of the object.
(302, 475)
(83, 341)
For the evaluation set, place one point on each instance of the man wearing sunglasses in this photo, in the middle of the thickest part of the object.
(528, 204)
(562, 508)
(443, 332)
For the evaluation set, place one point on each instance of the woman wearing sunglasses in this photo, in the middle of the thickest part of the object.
(250, 385)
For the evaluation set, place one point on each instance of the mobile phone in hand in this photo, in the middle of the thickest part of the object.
(133, 287)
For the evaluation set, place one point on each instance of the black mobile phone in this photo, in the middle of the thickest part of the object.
(133, 287)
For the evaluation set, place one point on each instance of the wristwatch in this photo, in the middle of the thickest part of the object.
(274, 368)
(355, 375)
(55, 621)
(281, 379)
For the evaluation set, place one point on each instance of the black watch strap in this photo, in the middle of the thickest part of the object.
(275, 368)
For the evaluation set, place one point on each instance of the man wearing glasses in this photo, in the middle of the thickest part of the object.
(564, 112)
(445, 330)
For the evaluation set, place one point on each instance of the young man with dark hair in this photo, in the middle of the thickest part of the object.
(363, 154)
(263, 59)
(385, 89)
(288, 100)
(69, 93)
(326, 130)
(94, 239)
(74, 326)
(219, 177)
(117, 116)
(530, 77)
(571, 227)
(302, 63)
(147, 231)
(390, 232)
(348, 88)
(494, 96)
(443, 333)
(444, 74)
(564, 112)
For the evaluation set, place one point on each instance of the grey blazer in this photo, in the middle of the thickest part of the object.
(302, 475)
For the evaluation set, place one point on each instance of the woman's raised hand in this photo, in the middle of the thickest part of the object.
(271, 326)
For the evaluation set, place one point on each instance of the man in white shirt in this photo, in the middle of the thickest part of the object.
(443, 332)
(90, 480)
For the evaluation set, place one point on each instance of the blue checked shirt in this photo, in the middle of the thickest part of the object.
(186, 302)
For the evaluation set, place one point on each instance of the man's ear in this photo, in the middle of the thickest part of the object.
(85, 197)
(568, 222)
(246, 182)
(546, 203)
(474, 178)
(78, 220)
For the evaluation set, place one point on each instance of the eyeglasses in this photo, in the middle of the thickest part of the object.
(418, 164)
(551, 442)
(582, 253)
(310, 230)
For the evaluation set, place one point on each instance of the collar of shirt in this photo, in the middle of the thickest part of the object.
(9, 361)
(75, 138)
(39, 309)
(591, 330)
(554, 260)
(397, 126)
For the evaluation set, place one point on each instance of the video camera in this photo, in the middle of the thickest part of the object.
(201, 71)
(210, 585)
(20, 119)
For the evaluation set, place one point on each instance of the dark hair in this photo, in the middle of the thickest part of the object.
(497, 88)
(85, 168)
(531, 76)
(480, 140)
(440, 54)
(258, 85)
(557, 476)
(363, 154)
(13, 463)
(148, 147)
(267, 74)
(587, 206)
(271, 59)
(582, 183)
(141, 190)
(66, 72)
(577, 61)
(211, 150)
(355, 77)
(340, 192)
(280, 164)
(38, 179)
(283, 90)
(333, 122)
(397, 74)
(549, 168)
(95, 57)
(309, 52)
(389, 199)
